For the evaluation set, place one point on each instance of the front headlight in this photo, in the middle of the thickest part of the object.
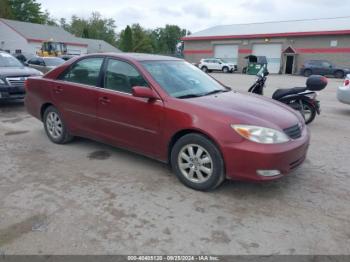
(2, 82)
(262, 135)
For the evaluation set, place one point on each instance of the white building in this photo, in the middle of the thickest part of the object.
(27, 38)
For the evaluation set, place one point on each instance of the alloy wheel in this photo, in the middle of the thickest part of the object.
(195, 163)
(54, 125)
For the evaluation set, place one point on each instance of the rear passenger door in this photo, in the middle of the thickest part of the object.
(75, 94)
(123, 119)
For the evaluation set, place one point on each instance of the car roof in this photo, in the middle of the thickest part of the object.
(141, 56)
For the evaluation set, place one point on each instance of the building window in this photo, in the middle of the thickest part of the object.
(334, 43)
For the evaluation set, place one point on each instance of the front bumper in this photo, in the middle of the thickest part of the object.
(243, 161)
(11, 92)
(343, 94)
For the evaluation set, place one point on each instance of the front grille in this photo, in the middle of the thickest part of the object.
(293, 132)
(16, 81)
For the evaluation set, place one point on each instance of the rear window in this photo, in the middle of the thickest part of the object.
(7, 60)
(85, 71)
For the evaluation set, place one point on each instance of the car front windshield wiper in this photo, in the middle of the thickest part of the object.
(214, 92)
(188, 96)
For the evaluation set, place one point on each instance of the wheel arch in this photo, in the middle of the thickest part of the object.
(187, 131)
(43, 109)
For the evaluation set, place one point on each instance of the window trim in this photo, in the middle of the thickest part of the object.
(107, 58)
(98, 84)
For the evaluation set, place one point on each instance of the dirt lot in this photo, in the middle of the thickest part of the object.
(89, 198)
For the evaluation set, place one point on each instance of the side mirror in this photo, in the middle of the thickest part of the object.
(144, 92)
(25, 63)
(266, 73)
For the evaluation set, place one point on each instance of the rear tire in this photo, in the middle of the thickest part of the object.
(54, 126)
(197, 162)
(308, 112)
(307, 72)
(339, 74)
(204, 69)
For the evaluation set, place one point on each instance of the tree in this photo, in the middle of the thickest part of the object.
(141, 40)
(27, 11)
(95, 27)
(5, 10)
(126, 43)
(170, 36)
(160, 40)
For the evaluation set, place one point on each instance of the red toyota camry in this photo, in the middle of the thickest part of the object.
(167, 109)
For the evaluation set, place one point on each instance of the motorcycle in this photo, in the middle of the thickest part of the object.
(302, 99)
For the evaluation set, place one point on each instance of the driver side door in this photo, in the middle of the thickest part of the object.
(124, 120)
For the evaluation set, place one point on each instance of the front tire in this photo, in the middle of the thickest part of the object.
(308, 111)
(197, 162)
(339, 74)
(225, 69)
(55, 128)
(307, 72)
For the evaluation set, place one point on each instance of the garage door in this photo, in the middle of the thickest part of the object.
(229, 53)
(272, 53)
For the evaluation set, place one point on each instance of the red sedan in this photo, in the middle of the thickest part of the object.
(168, 109)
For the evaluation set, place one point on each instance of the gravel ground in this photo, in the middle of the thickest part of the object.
(90, 198)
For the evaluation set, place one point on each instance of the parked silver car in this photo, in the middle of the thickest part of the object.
(343, 93)
(45, 64)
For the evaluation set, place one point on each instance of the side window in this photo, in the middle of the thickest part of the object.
(121, 76)
(41, 62)
(85, 71)
(33, 61)
(326, 64)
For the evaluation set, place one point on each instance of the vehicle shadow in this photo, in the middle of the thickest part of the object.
(344, 112)
(235, 189)
(11, 106)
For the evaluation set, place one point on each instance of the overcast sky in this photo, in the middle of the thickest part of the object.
(196, 15)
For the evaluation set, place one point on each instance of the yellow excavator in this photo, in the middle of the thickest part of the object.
(52, 49)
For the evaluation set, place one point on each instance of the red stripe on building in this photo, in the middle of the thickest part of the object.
(196, 38)
(245, 51)
(322, 50)
(203, 51)
(67, 43)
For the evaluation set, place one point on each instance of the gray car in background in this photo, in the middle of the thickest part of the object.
(45, 64)
(324, 68)
(343, 92)
(13, 74)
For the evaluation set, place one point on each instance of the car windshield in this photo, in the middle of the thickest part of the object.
(181, 79)
(7, 60)
(55, 61)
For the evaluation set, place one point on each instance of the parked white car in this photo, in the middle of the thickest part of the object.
(216, 64)
(343, 93)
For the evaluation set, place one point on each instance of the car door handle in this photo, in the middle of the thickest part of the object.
(104, 100)
(58, 89)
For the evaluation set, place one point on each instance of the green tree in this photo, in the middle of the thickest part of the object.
(5, 10)
(95, 27)
(160, 40)
(141, 40)
(27, 11)
(169, 37)
(126, 41)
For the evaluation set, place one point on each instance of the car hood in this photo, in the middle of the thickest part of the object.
(18, 71)
(250, 109)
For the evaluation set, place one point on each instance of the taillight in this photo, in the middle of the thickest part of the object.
(346, 82)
